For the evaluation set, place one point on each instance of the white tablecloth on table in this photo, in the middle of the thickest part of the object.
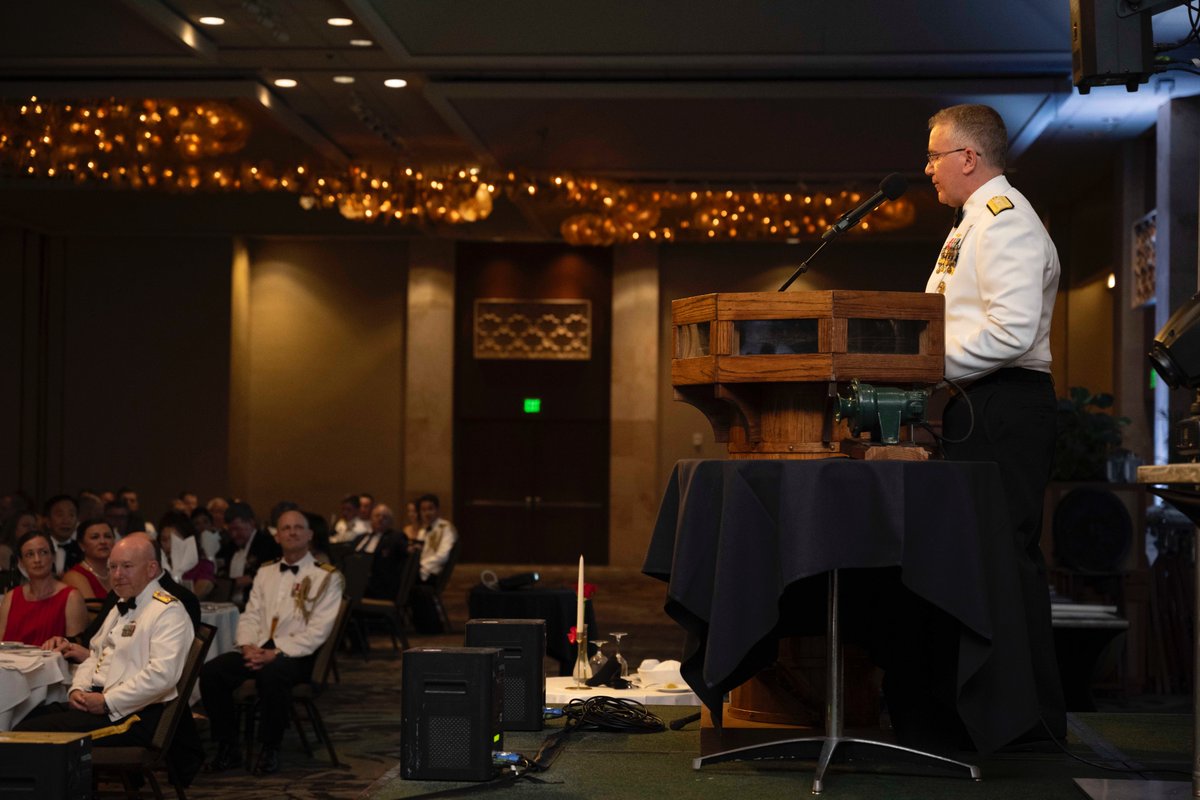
(225, 617)
(30, 677)
(558, 692)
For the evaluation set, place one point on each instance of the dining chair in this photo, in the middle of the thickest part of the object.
(127, 762)
(304, 706)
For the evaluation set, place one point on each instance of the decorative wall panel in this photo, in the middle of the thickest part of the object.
(549, 329)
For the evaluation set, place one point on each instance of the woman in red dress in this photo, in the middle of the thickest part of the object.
(90, 576)
(45, 606)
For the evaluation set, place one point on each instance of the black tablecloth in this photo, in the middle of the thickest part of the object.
(555, 606)
(734, 537)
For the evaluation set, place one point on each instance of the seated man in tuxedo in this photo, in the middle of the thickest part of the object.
(388, 549)
(247, 549)
(291, 611)
(134, 662)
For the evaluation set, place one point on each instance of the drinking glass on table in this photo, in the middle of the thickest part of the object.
(617, 636)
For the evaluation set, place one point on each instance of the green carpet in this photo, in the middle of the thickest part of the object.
(608, 765)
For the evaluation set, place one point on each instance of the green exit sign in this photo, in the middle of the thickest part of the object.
(533, 405)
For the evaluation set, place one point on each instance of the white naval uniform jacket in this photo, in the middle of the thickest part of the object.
(999, 272)
(275, 597)
(142, 652)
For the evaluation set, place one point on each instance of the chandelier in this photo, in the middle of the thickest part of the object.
(189, 146)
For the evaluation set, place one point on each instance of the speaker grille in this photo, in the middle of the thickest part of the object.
(514, 698)
(449, 742)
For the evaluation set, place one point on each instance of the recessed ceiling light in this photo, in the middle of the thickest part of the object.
(395, 83)
(343, 79)
(285, 83)
(211, 20)
(340, 22)
(361, 43)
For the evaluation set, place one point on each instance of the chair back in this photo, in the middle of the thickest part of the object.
(169, 720)
(324, 659)
(410, 573)
(356, 569)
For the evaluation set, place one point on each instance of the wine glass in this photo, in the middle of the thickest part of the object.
(616, 637)
(598, 659)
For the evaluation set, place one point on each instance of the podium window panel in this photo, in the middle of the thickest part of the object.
(885, 336)
(755, 337)
(692, 341)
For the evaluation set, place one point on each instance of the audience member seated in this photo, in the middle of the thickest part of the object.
(16, 526)
(348, 525)
(291, 611)
(217, 507)
(45, 606)
(412, 523)
(248, 548)
(117, 516)
(320, 540)
(207, 533)
(437, 538)
(181, 554)
(62, 516)
(136, 521)
(134, 662)
(387, 549)
(90, 576)
(190, 501)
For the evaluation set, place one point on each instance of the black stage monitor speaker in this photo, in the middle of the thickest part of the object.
(450, 717)
(44, 765)
(1109, 48)
(522, 644)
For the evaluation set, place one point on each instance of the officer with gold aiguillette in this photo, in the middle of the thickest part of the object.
(291, 611)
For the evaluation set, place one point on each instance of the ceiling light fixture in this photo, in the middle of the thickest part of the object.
(285, 83)
(211, 20)
(361, 43)
(395, 83)
(166, 145)
(340, 22)
(343, 79)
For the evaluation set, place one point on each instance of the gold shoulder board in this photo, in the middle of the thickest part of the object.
(999, 203)
(328, 567)
(163, 597)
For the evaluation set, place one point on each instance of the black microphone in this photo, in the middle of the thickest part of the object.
(890, 188)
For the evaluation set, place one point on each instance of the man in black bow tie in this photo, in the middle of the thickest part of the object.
(292, 607)
(135, 659)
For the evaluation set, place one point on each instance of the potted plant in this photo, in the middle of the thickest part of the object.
(1088, 433)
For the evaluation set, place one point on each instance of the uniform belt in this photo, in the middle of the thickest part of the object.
(1013, 375)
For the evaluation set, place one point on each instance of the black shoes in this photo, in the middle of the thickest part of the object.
(268, 761)
(228, 756)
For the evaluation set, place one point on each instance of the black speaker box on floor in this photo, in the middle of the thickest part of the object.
(44, 765)
(522, 644)
(450, 717)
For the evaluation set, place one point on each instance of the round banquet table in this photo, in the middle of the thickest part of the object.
(559, 692)
(224, 617)
(29, 677)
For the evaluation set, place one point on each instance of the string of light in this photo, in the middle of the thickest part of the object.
(189, 146)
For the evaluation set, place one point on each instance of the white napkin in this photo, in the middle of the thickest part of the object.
(659, 672)
(183, 556)
(22, 661)
(210, 543)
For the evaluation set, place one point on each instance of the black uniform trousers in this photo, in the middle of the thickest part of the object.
(1008, 417)
(222, 676)
(61, 717)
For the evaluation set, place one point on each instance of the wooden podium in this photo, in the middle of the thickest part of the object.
(764, 367)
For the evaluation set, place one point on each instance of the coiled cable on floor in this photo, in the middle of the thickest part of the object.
(606, 713)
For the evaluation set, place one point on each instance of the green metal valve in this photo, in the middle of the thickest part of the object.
(881, 410)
